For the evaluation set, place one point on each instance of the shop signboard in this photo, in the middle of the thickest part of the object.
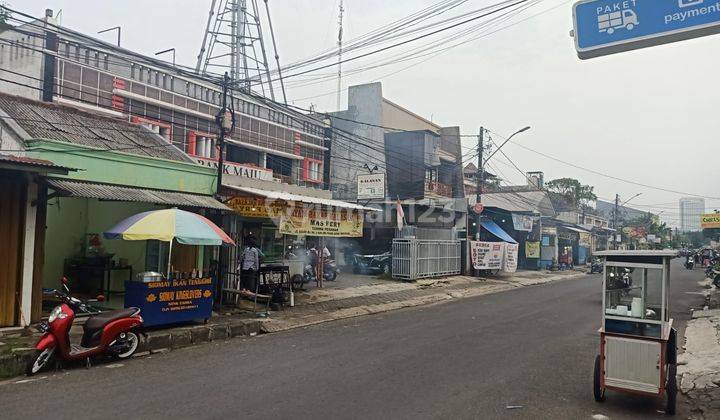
(549, 231)
(487, 255)
(371, 186)
(510, 262)
(333, 224)
(258, 207)
(532, 249)
(238, 169)
(522, 222)
(585, 240)
(710, 221)
(611, 26)
(171, 301)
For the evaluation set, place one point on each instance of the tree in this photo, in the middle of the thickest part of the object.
(4, 17)
(579, 195)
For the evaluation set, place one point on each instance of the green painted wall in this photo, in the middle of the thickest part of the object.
(126, 169)
(70, 220)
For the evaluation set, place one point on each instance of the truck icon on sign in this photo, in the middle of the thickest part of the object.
(609, 22)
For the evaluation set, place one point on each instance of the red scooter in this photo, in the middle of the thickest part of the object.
(113, 333)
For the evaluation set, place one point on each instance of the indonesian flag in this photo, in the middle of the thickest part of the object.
(400, 214)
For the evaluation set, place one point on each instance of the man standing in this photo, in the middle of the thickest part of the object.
(249, 265)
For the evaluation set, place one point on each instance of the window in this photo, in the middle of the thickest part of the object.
(202, 145)
(279, 165)
(431, 174)
(132, 71)
(158, 127)
(312, 170)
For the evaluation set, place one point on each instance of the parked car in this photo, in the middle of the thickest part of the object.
(373, 264)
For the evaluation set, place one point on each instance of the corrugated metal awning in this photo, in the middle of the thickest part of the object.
(278, 195)
(86, 189)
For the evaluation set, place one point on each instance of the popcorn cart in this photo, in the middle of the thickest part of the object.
(638, 345)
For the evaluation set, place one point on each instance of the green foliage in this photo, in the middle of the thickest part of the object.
(579, 195)
(4, 17)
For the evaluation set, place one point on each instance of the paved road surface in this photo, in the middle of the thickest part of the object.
(532, 347)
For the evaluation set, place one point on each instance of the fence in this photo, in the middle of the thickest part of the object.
(420, 258)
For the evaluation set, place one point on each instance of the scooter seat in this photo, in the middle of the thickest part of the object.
(98, 321)
(94, 325)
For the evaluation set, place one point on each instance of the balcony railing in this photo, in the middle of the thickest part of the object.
(438, 189)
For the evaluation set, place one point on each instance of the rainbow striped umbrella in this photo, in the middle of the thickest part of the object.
(165, 225)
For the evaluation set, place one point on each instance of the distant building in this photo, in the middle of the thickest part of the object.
(691, 208)
(606, 209)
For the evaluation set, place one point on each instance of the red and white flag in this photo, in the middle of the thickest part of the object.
(400, 215)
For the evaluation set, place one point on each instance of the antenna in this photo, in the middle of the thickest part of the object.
(233, 42)
(340, 38)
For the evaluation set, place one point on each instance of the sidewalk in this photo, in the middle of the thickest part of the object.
(699, 365)
(360, 297)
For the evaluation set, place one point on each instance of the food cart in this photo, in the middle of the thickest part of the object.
(638, 345)
(175, 297)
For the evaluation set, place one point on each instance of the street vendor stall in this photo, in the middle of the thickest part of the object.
(177, 296)
(638, 344)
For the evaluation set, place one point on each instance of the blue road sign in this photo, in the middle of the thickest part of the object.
(605, 27)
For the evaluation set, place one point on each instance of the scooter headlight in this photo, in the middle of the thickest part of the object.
(56, 313)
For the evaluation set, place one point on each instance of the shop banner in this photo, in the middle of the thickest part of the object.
(487, 255)
(171, 301)
(370, 186)
(510, 262)
(258, 207)
(346, 225)
(522, 222)
(532, 249)
(585, 240)
(710, 221)
(549, 231)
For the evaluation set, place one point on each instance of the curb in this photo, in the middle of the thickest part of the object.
(161, 341)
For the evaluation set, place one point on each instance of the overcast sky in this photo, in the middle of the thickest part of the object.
(649, 116)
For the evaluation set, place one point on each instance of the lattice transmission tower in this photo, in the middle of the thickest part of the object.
(233, 42)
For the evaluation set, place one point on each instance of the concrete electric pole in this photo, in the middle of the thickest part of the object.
(479, 179)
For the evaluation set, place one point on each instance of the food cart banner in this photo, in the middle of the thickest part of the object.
(171, 301)
(487, 255)
(532, 249)
(510, 262)
(710, 221)
(347, 225)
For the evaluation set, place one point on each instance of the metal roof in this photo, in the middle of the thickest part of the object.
(37, 164)
(519, 202)
(278, 195)
(73, 188)
(43, 120)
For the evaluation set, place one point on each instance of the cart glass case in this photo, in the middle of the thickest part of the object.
(635, 296)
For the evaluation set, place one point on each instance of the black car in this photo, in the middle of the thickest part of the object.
(372, 264)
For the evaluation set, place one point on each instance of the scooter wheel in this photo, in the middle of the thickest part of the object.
(124, 347)
(39, 361)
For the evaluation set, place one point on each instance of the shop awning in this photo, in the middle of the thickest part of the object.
(87, 189)
(277, 195)
(496, 230)
(574, 229)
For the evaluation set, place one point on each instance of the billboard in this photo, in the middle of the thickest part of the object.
(710, 221)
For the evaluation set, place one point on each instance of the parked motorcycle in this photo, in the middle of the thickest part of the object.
(596, 266)
(112, 333)
(330, 273)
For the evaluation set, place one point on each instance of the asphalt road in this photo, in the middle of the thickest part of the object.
(532, 348)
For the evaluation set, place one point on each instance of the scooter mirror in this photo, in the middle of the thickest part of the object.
(100, 298)
(65, 284)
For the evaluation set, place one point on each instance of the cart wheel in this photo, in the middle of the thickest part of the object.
(672, 348)
(597, 390)
(671, 390)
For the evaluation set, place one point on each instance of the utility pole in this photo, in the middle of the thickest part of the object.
(340, 39)
(225, 121)
(479, 179)
(615, 214)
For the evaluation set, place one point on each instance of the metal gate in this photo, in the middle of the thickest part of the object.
(422, 258)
